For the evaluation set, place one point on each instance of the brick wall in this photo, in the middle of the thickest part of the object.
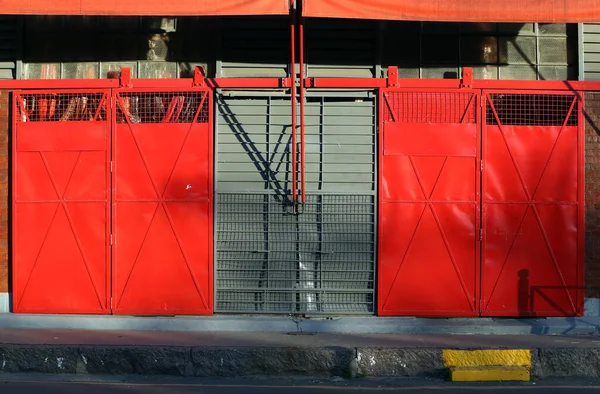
(592, 194)
(4, 201)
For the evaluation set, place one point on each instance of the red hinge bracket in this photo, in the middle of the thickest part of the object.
(467, 78)
(125, 77)
(199, 77)
(309, 82)
(285, 82)
(392, 78)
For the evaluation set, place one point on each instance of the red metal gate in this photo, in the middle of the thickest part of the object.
(61, 148)
(532, 204)
(429, 205)
(162, 202)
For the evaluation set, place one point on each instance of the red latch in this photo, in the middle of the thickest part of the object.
(392, 80)
(125, 78)
(199, 76)
(467, 78)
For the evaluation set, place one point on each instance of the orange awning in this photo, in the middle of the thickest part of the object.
(518, 11)
(145, 7)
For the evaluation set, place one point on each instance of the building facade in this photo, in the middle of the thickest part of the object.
(267, 257)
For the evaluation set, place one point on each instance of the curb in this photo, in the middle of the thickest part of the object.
(488, 365)
(270, 361)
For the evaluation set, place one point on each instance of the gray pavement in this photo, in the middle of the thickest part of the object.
(269, 339)
(587, 325)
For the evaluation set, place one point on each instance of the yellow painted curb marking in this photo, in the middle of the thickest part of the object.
(487, 374)
(487, 358)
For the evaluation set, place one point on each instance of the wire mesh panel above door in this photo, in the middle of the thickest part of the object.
(270, 259)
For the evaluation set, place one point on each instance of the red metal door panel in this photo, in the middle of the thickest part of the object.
(429, 210)
(162, 210)
(532, 204)
(61, 204)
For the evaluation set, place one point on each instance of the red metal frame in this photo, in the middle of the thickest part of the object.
(392, 80)
(105, 308)
(576, 303)
(302, 128)
(200, 80)
(293, 100)
(477, 219)
(208, 298)
(581, 198)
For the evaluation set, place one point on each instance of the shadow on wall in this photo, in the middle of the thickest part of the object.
(271, 168)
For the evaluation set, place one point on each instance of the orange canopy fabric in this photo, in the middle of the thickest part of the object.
(145, 7)
(518, 11)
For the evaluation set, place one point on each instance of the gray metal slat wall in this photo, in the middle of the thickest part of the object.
(268, 259)
(590, 52)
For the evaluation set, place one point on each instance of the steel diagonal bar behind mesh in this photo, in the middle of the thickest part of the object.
(100, 106)
(387, 102)
(70, 220)
(464, 116)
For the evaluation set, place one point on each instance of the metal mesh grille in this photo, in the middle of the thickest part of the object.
(531, 110)
(162, 107)
(57, 107)
(320, 261)
(429, 107)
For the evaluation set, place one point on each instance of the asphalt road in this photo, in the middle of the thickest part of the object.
(53, 386)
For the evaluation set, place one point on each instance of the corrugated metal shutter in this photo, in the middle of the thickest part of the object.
(9, 46)
(591, 51)
(270, 260)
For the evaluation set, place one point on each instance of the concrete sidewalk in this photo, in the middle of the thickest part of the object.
(587, 325)
(220, 354)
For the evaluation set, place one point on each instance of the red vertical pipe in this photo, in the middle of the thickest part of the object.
(302, 166)
(293, 81)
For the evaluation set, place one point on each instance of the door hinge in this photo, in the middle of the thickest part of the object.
(481, 234)
(111, 239)
(481, 165)
(112, 166)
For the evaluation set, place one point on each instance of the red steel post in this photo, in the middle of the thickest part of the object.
(302, 143)
(293, 99)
